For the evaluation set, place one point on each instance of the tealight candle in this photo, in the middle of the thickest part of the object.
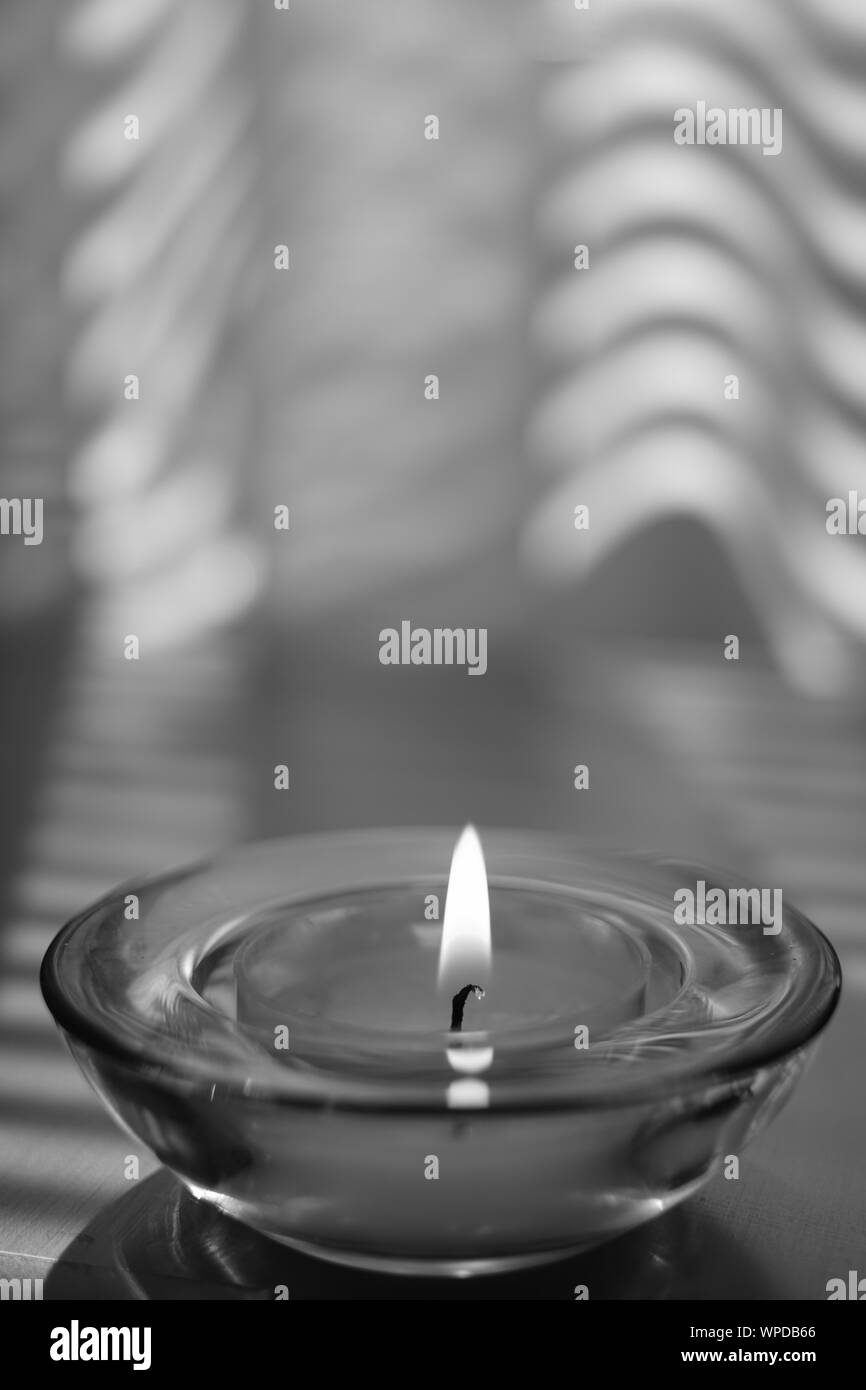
(299, 1036)
(367, 970)
(366, 982)
(353, 976)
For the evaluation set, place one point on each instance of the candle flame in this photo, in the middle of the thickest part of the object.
(465, 954)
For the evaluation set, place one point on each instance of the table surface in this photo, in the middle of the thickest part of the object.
(115, 768)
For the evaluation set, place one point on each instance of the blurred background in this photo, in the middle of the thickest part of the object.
(165, 388)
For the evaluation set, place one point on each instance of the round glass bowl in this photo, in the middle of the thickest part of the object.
(269, 1025)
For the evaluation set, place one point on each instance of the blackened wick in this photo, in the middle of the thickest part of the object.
(458, 1004)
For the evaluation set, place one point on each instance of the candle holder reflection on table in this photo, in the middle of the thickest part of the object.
(274, 1028)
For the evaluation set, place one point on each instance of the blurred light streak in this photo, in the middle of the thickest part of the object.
(156, 279)
(706, 262)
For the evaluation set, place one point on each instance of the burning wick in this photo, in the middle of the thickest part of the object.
(458, 1004)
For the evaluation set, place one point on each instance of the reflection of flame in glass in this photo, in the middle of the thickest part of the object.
(470, 1059)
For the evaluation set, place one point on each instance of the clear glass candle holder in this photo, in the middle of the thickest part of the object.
(269, 1025)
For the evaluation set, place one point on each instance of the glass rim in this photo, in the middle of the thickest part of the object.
(815, 975)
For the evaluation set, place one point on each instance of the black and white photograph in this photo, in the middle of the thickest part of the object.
(432, 670)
